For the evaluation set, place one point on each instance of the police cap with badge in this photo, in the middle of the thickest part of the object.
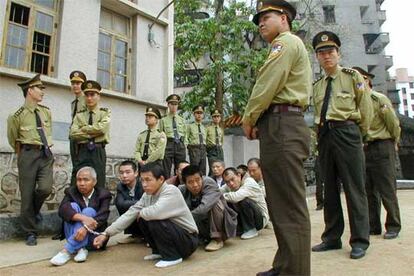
(279, 6)
(173, 98)
(325, 40)
(153, 112)
(35, 81)
(77, 76)
(215, 113)
(91, 86)
(198, 109)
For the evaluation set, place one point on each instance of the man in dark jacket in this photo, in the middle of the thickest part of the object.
(85, 211)
(129, 191)
(215, 220)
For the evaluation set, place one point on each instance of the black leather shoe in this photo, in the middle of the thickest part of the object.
(389, 235)
(319, 207)
(357, 253)
(31, 240)
(270, 272)
(326, 246)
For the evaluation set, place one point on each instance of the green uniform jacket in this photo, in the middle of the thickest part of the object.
(285, 78)
(385, 124)
(192, 134)
(211, 135)
(156, 149)
(81, 131)
(350, 98)
(166, 126)
(22, 128)
(81, 104)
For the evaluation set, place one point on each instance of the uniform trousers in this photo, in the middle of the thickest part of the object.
(341, 156)
(70, 229)
(197, 154)
(174, 153)
(284, 146)
(168, 239)
(381, 185)
(35, 183)
(95, 158)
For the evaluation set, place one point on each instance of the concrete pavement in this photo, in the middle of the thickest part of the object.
(238, 257)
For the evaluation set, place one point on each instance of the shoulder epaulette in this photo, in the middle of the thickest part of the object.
(375, 98)
(82, 110)
(317, 80)
(104, 109)
(43, 106)
(349, 71)
(18, 112)
(143, 131)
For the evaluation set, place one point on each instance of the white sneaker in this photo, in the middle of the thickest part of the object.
(60, 258)
(81, 255)
(152, 257)
(249, 234)
(162, 264)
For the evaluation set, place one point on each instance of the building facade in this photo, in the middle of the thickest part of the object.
(120, 43)
(358, 25)
(405, 86)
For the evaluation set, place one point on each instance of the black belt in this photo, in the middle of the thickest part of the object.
(98, 145)
(175, 140)
(336, 124)
(284, 108)
(370, 143)
(196, 146)
(30, 146)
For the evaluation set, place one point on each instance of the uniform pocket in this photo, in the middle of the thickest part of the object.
(344, 101)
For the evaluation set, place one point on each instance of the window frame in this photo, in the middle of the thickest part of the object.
(31, 29)
(326, 13)
(114, 37)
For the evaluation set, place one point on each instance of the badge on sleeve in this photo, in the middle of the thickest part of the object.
(276, 49)
(360, 86)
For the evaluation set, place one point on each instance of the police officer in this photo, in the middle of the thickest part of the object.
(274, 111)
(90, 130)
(76, 79)
(29, 131)
(174, 127)
(196, 135)
(343, 112)
(381, 146)
(214, 140)
(150, 146)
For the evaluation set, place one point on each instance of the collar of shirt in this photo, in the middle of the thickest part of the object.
(30, 106)
(86, 199)
(336, 74)
(279, 36)
(94, 110)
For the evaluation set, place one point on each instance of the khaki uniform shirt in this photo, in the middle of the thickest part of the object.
(82, 132)
(22, 128)
(156, 148)
(285, 78)
(385, 124)
(349, 100)
(211, 135)
(81, 105)
(166, 126)
(192, 132)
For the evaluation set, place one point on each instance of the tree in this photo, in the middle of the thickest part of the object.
(224, 52)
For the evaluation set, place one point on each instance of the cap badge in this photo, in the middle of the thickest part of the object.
(260, 5)
(76, 74)
(324, 38)
(89, 85)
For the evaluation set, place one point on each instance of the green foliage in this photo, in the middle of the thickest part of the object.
(225, 51)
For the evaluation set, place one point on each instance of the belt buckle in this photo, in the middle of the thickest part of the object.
(91, 146)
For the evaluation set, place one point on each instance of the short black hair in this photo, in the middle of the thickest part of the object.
(229, 169)
(243, 167)
(25, 91)
(255, 160)
(129, 163)
(218, 161)
(190, 170)
(156, 170)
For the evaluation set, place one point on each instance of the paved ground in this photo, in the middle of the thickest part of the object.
(384, 257)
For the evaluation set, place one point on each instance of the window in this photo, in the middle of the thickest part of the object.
(404, 90)
(31, 32)
(329, 14)
(411, 84)
(113, 51)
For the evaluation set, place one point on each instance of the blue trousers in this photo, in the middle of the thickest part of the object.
(70, 230)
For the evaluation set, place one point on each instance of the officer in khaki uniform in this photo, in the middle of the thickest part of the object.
(76, 79)
(214, 140)
(174, 127)
(29, 131)
(90, 130)
(196, 135)
(150, 146)
(274, 114)
(380, 150)
(343, 113)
